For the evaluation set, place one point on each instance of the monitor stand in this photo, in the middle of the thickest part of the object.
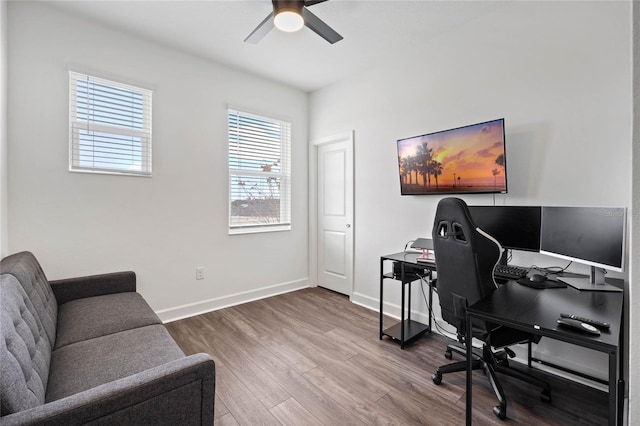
(503, 258)
(595, 282)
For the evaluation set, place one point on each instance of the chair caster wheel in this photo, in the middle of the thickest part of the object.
(448, 354)
(437, 378)
(545, 396)
(500, 412)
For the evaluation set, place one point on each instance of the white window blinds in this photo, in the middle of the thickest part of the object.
(259, 173)
(110, 126)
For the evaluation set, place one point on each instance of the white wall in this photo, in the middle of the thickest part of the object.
(634, 296)
(558, 72)
(163, 227)
(4, 230)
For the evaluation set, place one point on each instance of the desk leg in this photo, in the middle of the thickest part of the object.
(613, 388)
(381, 280)
(469, 345)
(402, 324)
(620, 402)
(430, 301)
(409, 303)
(620, 374)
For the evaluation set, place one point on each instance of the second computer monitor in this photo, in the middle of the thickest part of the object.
(515, 227)
(591, 235)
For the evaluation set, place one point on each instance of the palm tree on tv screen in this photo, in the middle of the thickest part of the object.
(424, 156)
(412, 166)
(436, 170)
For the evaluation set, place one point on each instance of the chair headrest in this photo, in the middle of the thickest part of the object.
(455, 210)
(452, 219)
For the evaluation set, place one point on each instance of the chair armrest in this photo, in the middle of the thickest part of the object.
(178, 392)
(95, 285)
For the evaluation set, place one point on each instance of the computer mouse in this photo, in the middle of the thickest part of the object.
(537, 278)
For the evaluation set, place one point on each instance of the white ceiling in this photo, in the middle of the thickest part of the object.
(373, 31)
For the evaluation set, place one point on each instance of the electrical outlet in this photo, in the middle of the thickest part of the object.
(200, 273)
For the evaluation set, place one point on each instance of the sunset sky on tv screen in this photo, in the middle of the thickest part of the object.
(466, 159)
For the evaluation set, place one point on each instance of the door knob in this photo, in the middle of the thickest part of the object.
(348, 225)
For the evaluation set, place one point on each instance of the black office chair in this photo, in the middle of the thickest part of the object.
(465, 259)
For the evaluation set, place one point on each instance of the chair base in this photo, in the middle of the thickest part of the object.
(491, 363)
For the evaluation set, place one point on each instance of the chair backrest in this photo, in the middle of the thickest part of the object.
(465, 259)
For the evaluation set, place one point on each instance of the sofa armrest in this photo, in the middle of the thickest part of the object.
(95, 285)
(179, 392)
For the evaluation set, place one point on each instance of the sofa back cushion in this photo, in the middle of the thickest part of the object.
(25, 351)
(25, 268)
(29, 312)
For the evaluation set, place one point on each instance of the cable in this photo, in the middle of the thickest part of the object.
(450, 334)
(407, 245)
(551, 269)
(447, 333)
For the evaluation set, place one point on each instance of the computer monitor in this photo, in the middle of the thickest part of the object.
(594, 236)
(515, 227)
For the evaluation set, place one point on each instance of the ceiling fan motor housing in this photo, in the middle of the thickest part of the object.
(287, 6)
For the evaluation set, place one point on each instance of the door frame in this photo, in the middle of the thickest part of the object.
(349, 138)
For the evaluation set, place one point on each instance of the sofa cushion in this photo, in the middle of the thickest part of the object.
(90, 363)
(25, 350)
(92, 317)
(25, 267)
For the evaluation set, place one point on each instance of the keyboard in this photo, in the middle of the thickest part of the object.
(509, 272)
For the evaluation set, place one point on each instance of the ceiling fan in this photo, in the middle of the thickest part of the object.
(290, 16)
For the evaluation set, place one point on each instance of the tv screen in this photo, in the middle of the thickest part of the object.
(464, 160)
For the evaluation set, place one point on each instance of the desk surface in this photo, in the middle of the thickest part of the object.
(409, 257)
(537, 311)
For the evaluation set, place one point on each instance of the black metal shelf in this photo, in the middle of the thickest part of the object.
(406, 330)
(412, 331)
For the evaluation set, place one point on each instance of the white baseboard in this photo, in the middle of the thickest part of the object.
(192, 309)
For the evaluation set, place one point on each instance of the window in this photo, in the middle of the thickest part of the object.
(110, 127)
(259, 173)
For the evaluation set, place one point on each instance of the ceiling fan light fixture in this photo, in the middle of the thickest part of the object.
(288, 20)
(290, 16)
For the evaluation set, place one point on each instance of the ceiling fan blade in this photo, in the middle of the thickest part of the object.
(318, 26)
(261, 30)
(312, 2)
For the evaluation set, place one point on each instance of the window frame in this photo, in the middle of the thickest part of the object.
(284, 175)
(144, 133)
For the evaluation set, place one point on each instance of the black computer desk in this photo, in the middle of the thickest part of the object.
(536, 311)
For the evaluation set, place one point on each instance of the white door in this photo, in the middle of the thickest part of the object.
(335, 214)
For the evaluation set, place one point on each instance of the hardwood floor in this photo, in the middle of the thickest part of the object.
(311, 357)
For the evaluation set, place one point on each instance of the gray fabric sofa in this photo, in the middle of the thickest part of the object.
(91, 351)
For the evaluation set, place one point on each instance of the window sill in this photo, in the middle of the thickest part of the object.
(259, 229)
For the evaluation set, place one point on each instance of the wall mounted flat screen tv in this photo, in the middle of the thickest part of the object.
(464, 160)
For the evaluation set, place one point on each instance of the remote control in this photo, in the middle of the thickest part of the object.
(579, 325)
(596, 323)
